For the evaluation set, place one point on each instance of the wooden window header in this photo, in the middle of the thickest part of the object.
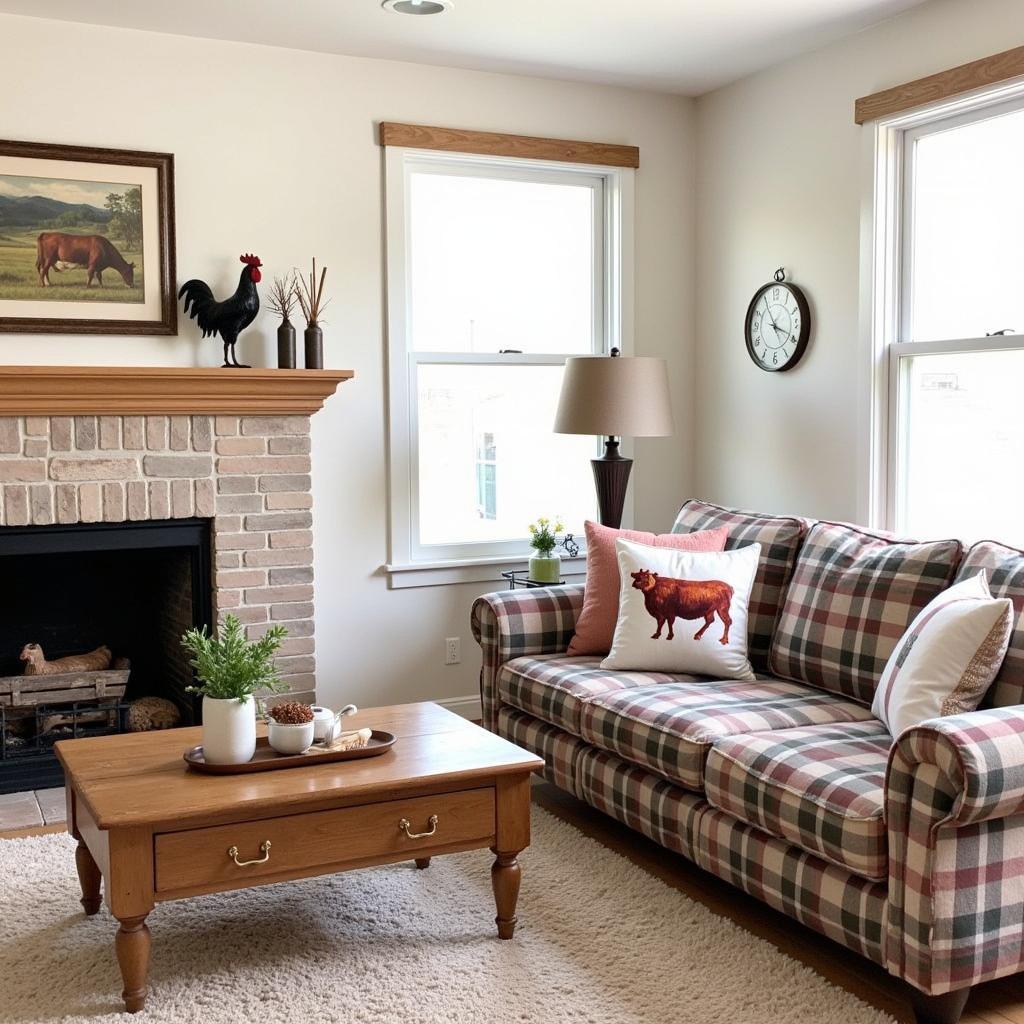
(978, 73)
(457, 140)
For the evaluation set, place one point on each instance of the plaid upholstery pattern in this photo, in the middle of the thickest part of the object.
(510, 623)
(819, 788)
(669, 728)
(852, 596)
(561, 752)
(954, 797)
(555, 687)
(780, 538)
(981, 753)
(658, 809)
(1004, 567)
(846, 908)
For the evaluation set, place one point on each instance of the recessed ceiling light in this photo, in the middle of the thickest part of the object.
(417, 6)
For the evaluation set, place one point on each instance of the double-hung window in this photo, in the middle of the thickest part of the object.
(949, 308)
(498, 270)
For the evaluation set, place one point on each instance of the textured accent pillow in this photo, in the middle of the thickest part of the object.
(1004, 568)
(948, 657)
(596, 624)
(663, 592)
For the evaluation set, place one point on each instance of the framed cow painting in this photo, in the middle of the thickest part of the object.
(86, 240)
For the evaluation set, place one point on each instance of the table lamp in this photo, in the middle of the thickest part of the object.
(614, 396)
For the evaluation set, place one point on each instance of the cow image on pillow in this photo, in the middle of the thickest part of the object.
(667, 599)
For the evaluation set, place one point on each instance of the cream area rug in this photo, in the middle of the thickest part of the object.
(599, 941)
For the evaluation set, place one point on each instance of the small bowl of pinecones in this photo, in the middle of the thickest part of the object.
(290, 727)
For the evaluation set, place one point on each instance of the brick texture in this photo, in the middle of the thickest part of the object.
(249, 475)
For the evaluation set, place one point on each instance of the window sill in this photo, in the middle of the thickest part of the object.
(402, 576)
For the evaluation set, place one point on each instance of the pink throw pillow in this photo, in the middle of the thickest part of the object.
(596, 625)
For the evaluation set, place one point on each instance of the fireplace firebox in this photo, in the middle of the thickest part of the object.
(134, 587)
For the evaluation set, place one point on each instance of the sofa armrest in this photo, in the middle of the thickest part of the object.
(954, 811)
(511, 623)
(980, 756)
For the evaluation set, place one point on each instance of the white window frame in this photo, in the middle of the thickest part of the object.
(885, 312)
(409, 562)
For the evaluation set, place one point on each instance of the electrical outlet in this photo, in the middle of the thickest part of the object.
(452, 650)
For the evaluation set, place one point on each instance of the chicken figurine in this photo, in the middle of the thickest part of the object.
(230, 317)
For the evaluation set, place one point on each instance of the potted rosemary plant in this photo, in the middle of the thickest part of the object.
(230, 670)
(545, 565)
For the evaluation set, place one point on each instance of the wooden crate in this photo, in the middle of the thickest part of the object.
(63, 687)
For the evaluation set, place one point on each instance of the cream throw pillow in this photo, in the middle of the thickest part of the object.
(947, 658)
(683, 611)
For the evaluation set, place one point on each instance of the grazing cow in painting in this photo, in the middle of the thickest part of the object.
(667, 599)
(58, 251)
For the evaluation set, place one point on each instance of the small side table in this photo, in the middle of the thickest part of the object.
(521, 578)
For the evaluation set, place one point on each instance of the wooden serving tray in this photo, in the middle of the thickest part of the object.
(268, 759)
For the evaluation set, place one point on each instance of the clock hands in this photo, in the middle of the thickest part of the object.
(771, 319)
(768, 310)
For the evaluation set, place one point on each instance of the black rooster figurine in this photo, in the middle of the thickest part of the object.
(230, 317)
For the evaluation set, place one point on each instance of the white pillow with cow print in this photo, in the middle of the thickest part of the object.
(683, 611)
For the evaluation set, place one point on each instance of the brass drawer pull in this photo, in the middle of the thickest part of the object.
(264, 849)
(405, 823)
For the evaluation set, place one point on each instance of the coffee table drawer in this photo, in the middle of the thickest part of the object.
(206, 858)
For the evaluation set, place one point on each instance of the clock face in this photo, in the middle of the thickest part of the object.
(778, 326)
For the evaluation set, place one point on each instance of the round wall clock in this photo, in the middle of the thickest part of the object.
(778, 324)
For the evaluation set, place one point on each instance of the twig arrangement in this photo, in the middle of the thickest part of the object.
(282, 296)
(310, 295)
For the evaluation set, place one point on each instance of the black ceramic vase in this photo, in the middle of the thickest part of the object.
(314, 347)
(286, 345)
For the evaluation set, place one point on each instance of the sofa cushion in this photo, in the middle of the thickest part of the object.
(853, 595)
(670, 728)
(780, 538)
(554, 687)
(821, 788)
(561, 752)
(1005, 569)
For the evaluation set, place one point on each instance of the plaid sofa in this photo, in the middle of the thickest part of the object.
(908, 851)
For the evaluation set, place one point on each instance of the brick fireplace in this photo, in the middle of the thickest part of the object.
(230, 449)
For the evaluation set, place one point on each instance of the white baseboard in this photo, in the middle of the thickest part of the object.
(466, 707)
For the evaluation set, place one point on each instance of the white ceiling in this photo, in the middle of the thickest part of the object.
(681, 46)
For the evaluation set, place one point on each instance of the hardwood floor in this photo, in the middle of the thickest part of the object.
(998, 1002)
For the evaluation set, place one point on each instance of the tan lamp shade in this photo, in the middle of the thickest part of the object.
(616, 396)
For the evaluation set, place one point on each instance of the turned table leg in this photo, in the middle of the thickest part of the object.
(505, 876)
(944, 1009)
(132, 946)
(88, 878)
(422, 863)
(511, 837)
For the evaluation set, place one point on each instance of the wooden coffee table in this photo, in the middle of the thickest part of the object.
(151, 830)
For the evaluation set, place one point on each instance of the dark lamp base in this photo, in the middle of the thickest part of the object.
(611, 478)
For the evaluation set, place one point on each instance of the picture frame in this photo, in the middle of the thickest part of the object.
(70, 215)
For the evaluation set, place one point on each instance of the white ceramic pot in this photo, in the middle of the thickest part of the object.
(229, 730)
(290, 739)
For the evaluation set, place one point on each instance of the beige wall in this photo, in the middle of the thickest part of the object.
(275, 154)
(780, 181)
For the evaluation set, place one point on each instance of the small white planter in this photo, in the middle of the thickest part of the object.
(229, 730)
(288, 738)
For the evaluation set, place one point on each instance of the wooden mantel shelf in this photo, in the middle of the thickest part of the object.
(128, 390)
